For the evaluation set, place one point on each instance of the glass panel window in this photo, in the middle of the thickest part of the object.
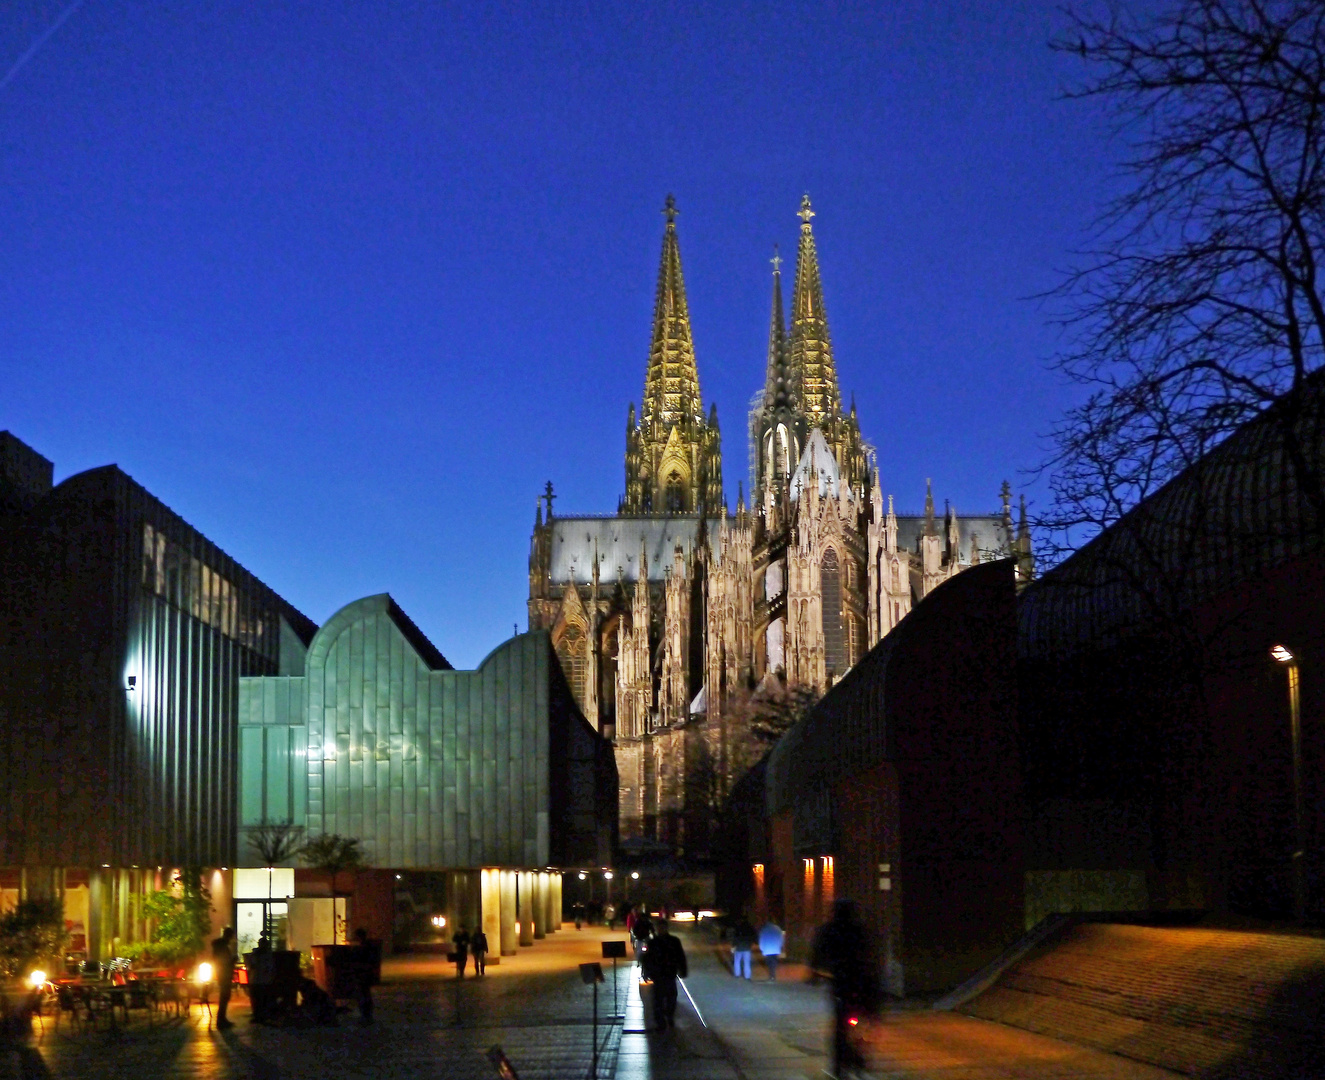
(149, 555)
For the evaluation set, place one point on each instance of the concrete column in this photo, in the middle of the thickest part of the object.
(557, 915)
(121, 935)
(96, 900)
(451, 904)
(549, 920)
(474, 906)
(540, 903)
(510, 940)
(526, 908)
(491, 887)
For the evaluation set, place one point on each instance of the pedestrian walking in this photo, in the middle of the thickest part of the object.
(743, 941)
(460, 947)
(842, 951)
(640, 931)
(771, 939)
(663, 962)
(363, 966)
(223, 971)
(478, 945)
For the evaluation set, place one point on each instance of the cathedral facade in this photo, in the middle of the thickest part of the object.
(673, 615)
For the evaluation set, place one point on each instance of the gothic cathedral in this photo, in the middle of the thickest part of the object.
(672, 614)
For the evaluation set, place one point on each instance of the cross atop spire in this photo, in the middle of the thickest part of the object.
(776, 260)
(805, 212)
(670, 210)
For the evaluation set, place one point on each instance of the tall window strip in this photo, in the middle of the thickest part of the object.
(198, 590)
(830, 578)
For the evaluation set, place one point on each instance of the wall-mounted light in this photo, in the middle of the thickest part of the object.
(607, 874)
(133, 682)
(1284, 655)
(583, 875)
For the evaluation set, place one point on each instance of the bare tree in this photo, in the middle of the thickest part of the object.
(1200, 304)
(275, 842)
(334, 854)
(1197, 311)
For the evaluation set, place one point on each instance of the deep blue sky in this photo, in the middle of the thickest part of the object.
(343, 284)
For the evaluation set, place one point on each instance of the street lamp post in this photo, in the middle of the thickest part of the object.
(1282, 655)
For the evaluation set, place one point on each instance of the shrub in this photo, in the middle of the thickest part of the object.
(32, 934)
(183, 920)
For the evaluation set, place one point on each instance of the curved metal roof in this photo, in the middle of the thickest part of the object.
(1234, 515)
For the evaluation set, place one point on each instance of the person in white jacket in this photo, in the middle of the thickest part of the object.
(770, 944)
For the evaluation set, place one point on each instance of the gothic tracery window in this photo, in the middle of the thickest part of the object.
(574, 659)
(830, 580)
(675, 496)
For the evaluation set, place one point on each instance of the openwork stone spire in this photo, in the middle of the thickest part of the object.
(778, 389)
(671, 385)
(811, 351)
(673, 456)
(776, 431)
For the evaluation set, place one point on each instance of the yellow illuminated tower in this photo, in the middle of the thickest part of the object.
(673, 453)
(811, 350)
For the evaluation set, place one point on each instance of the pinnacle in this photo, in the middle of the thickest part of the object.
(810, 346)
(778, 384)
(671, 385)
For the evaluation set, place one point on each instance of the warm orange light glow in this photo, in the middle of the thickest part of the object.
(204, 975)
(828, 885)
(37, 979)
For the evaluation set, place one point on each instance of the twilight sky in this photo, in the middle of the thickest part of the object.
(343, 284)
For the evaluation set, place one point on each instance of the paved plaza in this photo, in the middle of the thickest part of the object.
(758, 1030)
(535, 1006)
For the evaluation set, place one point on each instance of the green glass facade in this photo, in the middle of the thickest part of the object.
(381, 740)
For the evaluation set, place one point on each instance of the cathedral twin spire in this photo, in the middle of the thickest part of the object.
(673, 457)
(800, 387)
(673, 454)
(671, 385)
(811, 349)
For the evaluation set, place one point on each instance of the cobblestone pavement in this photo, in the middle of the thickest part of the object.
(534, 1006)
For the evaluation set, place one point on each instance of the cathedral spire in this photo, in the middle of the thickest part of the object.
(673, 456)
(671, 385)
(777, 382)
(811, 350)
